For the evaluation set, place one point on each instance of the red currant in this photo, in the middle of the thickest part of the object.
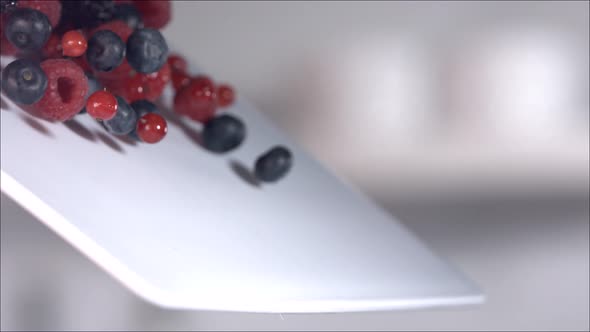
(225, 95)
(101, 105)
(155, 13)
(151, 128)
(197, 100)
(177, 62)
(180, 79)
(73, 43)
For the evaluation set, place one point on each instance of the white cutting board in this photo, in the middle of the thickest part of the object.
(186, 228)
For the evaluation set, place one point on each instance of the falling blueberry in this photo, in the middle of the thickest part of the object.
(27, 29)
(147, 50)
(23, 81)
(105, 50)
(274, 164)
(223, 133)
(124, 121)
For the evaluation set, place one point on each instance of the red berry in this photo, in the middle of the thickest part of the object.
(151, 128)
(83, 63)
(177, 63)
(225, 95)
(197, 100)
(140, 86)
(101, 105)
(154, 13)
(73, 43)
(52, 48)
(180, 79)
(51, 8)
(66, 91)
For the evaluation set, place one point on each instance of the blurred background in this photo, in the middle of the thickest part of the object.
(467, 120)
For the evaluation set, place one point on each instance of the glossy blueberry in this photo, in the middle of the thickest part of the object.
(124, 121)
(6, 5)
(27, 29)
(273, 165)
(23, 81)
(87, 13)
(147, 50)
(105, 50)
(93, 86)
(223, 133)
(127, 13)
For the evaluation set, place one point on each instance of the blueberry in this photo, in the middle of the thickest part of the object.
(105, 50)
(223, 133)
(23, 81)
(87, 13)
(93, 86)
(27, 29)
(147, 50)
(6, 5)
(127, 13)
(124, 121)
(274, 164)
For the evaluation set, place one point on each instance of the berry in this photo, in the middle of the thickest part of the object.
(27, 29)
(87, 13)
(124, 120)
(225, 95)
(151, 128)
(123, 31)
(147, 50)
(197, 99)
(155, 13)
(52, 48)
(51, 8)
(143, 107)
(177, 63)
(93, 86)
(6, 5)
(273, 165)
(128, 13)
(101, 105)
(105, 50)
(73, 43)
(66, 91)
(141, 86)
(23, 81)
(223, 133)
(180, 79)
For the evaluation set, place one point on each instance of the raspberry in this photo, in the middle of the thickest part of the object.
(141, 86)
(51, 8)
(52, 48)
(66, 90)
(225, 95)
(101, 105)
(197, 99)
(73, 43)
(155, 13)
(151, 128)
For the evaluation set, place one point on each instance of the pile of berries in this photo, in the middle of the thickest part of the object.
(108, 60)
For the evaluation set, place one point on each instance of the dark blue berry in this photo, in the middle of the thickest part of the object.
(223, 133)
(87, 13)
(23, 81)
(124, 121)
(93, 86)
(147, 50)
(27, 29)
(141, 108)
(105, 50)
(273, 165)
(127, 13)
(6, 5)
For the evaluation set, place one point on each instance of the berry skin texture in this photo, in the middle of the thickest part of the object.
(66, 91)
(140, 86)
(101, 105)
(27, 29)
(155, 13)
(273, 165)
(225, 95)
(180, 79)
(123, 31)
(177, 63)
(51, 8)
(147, 50)
(124, 120)
(52, 48)
(105, 50)
(24, 82)
(127, 13)
(151, 128)
(73, 43)
(197, 100)
(223, 133)
(143, 107)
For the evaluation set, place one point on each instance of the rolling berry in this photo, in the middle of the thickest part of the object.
(225, 95)
(180, 79)
(197, 100)
(105, 50)
(27, 29)
(127, 13)
(147, 50)
(177, 62)
(124, 120)
(23, 81)
(143, 107)
(223, 133)
(101, 105)
(273, 165)
(151, 128)
(73, 43)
